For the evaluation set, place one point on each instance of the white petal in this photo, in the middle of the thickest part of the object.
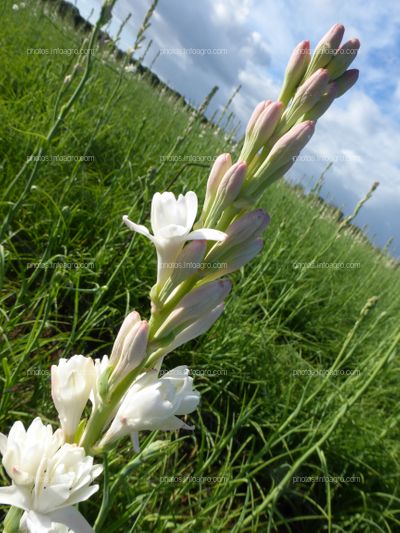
(138, 228)
(191, 208)
(181, 214)
(72, 518)
(80, 495)
(154, 219)
(36, 522)
(3, 444)
(17, 497)
(207, 234)
(164, 210)
(173, 424)
(188, 404)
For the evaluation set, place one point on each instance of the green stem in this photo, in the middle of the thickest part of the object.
(105, 504)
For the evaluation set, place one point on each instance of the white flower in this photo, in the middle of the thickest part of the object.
(15, 7)
(154, 403)
(48, 478)
(71, 383)
(171, 221)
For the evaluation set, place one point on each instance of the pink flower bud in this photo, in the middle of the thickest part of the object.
(323, 104)
(130, 321)
(239, 234)
(307, 96)
(286, 149)
(295, 70)
(188, 261)
(231, 183)
(265, 124)
(196, 329)
(332, 38)
(227, 192)
(219, 168)
(326, 49)
(246, 227)
(256, 113)
(346, 81)
(343, 58)
(262, 124)
(133, 350)
(242, 255)
(198, 302)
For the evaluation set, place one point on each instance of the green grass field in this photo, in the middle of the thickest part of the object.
(298, 428)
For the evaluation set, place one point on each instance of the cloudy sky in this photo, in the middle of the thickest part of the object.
(360, 133)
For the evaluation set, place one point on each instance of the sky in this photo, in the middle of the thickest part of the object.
(251, 42)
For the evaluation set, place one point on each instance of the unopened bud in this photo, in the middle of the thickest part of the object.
(242, 255)
(295, 70)
(188, 261)
(196, 329)
(133, 350)
(346, 81)
(326, 48)
(279, 160)
(219, 168)
(343, 58)
(323, 104)
(288, 147)
(256, 113)
(227, 192)
(261, 130)
(198, 302)
(130, 321)
(307, 95)
(247, 227)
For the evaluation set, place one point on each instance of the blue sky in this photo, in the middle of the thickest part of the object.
(359, 133)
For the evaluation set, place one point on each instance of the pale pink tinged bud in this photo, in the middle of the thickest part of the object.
(308, 95)
(197, 328)
(346, 81)
(256, 113)
(243, 255)
(332, 38)
(127, 325)
(133, 349)
(323, 104)
(326, 48)
(194, 305)
(245, 228)
(295, 70)
(219, 168)
(344, 57)
(287, 148)
(239, 235)
(188, 261)
(231, 184)
(265, 124)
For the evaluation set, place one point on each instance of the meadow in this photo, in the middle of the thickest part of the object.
(298, 428)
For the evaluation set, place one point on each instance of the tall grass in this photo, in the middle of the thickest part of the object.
(298, 426)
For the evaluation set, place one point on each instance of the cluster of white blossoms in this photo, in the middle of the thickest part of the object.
(51, 472)
(48, 477)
